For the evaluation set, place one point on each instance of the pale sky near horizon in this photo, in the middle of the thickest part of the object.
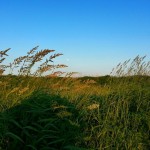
(93, 35)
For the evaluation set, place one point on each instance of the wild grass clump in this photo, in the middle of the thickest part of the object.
(136, 67)
(89, 113)
(24, 65)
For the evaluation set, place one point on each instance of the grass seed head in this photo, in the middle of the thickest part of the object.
(93, 106)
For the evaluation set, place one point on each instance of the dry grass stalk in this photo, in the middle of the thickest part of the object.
(135, 67)
(93, 106)
(2, 58)
(22, 91)
(26, 63)
(4, 53)
(55, 74)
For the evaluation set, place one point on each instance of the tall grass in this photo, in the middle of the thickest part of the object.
(24, 65)
(94, 113)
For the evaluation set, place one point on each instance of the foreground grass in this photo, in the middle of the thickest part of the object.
(67, 113)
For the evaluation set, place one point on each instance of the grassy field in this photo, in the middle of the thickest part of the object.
(66, 113)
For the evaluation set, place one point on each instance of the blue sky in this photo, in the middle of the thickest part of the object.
(93, 35)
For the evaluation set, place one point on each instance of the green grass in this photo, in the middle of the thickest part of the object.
(52, 115)
(88, 113)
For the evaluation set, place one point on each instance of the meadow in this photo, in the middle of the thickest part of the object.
(55, 111)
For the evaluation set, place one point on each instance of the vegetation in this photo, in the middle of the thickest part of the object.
(40, 110)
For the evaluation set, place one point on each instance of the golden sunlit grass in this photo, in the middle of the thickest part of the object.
(39, 110)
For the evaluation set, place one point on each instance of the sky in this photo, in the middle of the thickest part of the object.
(93, 35)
